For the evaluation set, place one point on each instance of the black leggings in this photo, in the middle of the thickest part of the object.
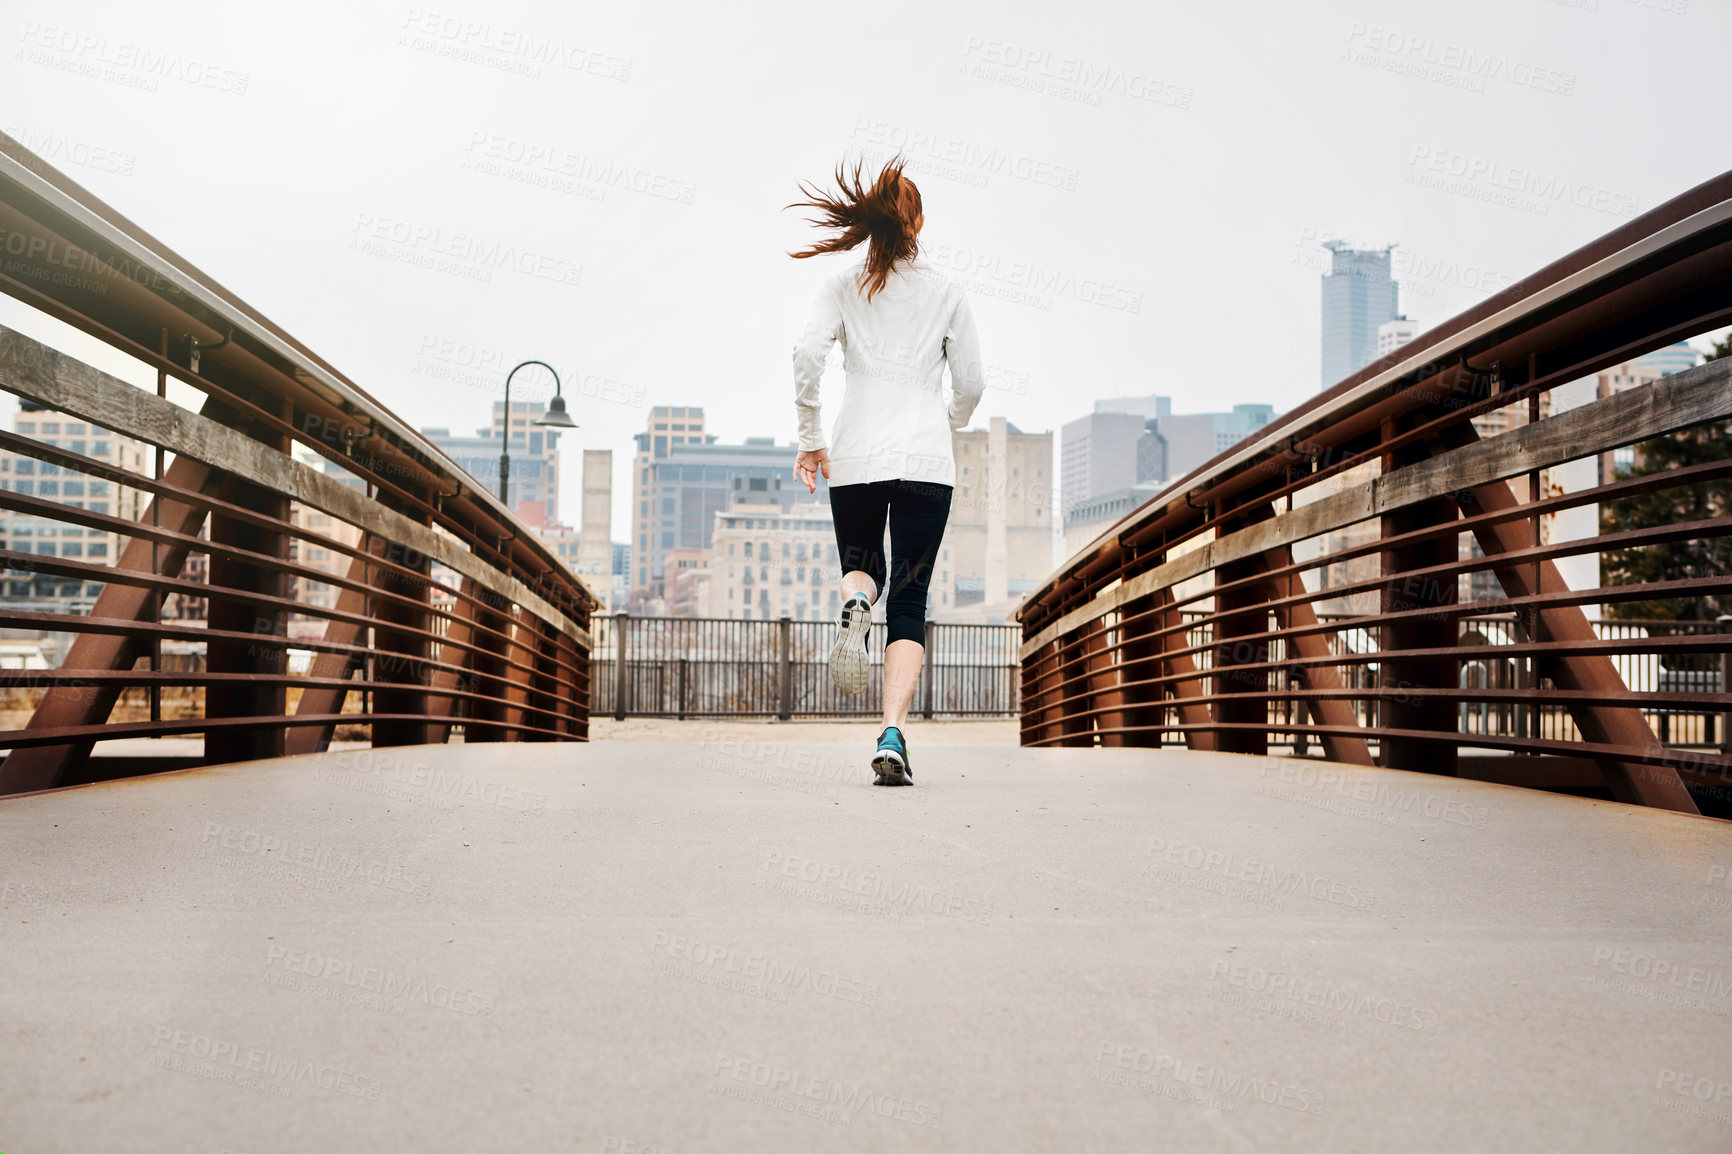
(917, 511)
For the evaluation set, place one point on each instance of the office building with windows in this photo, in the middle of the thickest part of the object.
(47, 536)
(770, 559)
(1117, 458)
(683, 478)
(1098, 454)
(534, 465)
(1359, 296)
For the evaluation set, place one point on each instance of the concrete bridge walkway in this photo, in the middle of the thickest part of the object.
(734, 944)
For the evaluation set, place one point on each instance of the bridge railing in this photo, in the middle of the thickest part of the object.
(1314, 581)
(777, 667)
(280, 561)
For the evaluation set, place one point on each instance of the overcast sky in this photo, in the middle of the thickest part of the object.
(1135, 192)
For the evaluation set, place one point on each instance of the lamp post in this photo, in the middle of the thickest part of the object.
(556, 417)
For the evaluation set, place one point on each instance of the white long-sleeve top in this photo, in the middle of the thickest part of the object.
(896, 417)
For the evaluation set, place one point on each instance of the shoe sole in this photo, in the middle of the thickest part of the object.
(890, 768)
(848, 664)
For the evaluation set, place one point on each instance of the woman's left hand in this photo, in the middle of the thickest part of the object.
(809, 464)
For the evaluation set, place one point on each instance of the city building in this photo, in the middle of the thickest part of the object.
(1144, 407)
(771, 548)
(1479, 585)
(318, 594)
(1135, 448)
(683, 478)
(1359, 295)
(1098, 454)
(688, 583)
(1090, 519)
(668, 426)
(563, 542)
(1582, 571)
(1634, 374)
(534, 466)
(1391, 335)
(1130, 441)
(587, 551)
(619, 590)
(770, 560)
(997, 546)
(595, 558)
(1175, 445)
(48, 537)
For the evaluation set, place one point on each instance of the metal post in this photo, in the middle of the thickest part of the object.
(1535, 719)
(784, 676)
(621, 622)
(680, 706)
(1523, 676)
(505, 448)
(157, 599)
(931, 638)
(555, 418)
(1725, 623)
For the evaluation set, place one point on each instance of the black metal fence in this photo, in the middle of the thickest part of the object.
(717, 667)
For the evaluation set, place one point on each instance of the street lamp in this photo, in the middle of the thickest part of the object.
(556, 418)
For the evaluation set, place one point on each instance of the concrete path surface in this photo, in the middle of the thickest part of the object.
(737, 945)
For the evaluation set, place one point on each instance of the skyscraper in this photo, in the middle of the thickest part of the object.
(1359, 295)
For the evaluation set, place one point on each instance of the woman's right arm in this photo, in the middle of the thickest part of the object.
(810, 354)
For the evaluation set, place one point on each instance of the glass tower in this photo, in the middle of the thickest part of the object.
(1358, 295)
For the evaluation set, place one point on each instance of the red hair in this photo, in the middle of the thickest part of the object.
(884, 215)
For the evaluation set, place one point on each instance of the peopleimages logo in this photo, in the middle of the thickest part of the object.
(1069, 77)
(465, 254)
(1528, 189)
(1472, 64)
(390, 984)
(1326, 997)
(1031, 278)
(898, 896)
(1665, 971)
(504, 47)
(1378, 795)
(974, 160)
(221, 1055)
(57, 149)
(761, 971)
(134, 65)
(1236, 867)
(1229, 1084)
(554, 160)
(849, 1098)
(282, 855)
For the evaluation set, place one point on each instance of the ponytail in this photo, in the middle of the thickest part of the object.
(884, 216)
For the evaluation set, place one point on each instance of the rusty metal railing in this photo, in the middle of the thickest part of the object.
(1200, 618)
(257, 594)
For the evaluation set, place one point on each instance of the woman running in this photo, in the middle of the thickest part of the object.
(889, 457)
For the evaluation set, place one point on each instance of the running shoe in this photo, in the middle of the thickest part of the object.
(891, 762)
(848, 666)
